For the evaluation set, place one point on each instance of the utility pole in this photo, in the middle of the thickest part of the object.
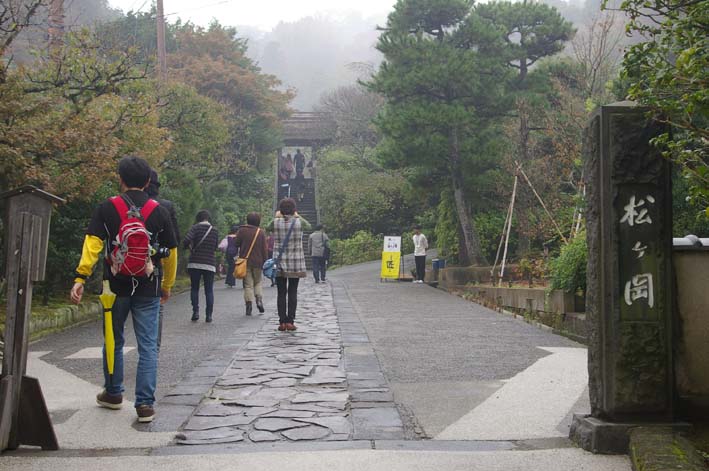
(56, 25)
(162, 54)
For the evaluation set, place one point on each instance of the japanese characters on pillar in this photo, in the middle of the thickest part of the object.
(639, 251)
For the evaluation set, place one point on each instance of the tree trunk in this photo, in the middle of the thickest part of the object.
(463, 255)
(467, 226)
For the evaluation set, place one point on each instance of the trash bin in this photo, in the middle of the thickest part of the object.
(434, 264)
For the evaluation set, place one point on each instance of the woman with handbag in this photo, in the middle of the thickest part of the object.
(201, 240)
(288, 229)
(253, 252)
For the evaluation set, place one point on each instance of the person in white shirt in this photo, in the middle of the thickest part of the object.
(420, 247)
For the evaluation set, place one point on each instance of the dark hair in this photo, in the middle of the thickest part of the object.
(287, 206)
(153, 188)
(134, 171)
(319, 227)
(253, 219)
(234, 229)
(417, 227)
(203, 215)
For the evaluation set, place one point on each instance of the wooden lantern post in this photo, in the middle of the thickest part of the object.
(24, 418)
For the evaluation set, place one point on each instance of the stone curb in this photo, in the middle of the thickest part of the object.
(64, 318)
(662, 449)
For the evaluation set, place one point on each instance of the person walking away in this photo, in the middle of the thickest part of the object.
(153, 190)
(288, 228)
(202, 240)
(420, 247)
(138, 293)
(319, 244)
(230, 248)
(288, 166)
(252, 246)
(299, 161)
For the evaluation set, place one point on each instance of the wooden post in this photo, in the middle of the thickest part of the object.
(162, 54)
(24, 418)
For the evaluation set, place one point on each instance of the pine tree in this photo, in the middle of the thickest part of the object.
(444, 81)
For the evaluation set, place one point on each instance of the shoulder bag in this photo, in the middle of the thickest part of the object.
(240, 267)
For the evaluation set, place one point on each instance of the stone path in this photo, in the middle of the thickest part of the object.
(294, 386)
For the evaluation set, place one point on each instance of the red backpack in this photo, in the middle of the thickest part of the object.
(131, 251)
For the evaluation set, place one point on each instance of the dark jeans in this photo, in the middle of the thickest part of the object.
(420, 267)
(195, 275)
(287, 296)
(319, 268)
(230, 264)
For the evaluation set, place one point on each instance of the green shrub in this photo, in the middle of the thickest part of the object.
(361, 247)
(568, 270)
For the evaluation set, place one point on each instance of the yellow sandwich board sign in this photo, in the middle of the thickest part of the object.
(391, 258)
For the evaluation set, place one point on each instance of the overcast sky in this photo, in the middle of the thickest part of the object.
(264, 14)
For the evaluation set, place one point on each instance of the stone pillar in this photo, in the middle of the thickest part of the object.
(629, 297)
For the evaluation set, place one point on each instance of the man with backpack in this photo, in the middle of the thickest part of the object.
(134, 230)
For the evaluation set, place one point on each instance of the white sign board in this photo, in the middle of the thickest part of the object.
(392, 244)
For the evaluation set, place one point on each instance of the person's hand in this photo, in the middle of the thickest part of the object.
(165, 295)
(77, 292)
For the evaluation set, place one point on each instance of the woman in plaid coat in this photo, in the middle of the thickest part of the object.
(291, 265)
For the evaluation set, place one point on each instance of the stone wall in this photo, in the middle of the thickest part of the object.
(454, 277)
(555, 310)
(64, 317)
(692, 361)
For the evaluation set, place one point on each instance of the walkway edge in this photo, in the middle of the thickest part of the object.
(660, 449)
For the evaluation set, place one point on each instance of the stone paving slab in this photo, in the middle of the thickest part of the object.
(295, 386)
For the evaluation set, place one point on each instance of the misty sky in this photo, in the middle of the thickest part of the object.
(263, 14)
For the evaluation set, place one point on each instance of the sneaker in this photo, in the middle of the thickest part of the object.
(291, 327)
(109, 401)
(281, 327)
(145, 413)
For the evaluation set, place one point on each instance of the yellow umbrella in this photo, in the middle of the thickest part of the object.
(107, 299)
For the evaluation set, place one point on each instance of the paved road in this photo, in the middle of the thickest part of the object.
(444, 356)
(429, 382)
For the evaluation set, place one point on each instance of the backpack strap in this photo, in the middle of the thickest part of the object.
(148, 209)
(121, 207)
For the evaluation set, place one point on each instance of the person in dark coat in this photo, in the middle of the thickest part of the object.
(153, 190)
(202, 240)
(252, 235)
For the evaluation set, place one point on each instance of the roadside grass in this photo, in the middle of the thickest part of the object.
(700, 438)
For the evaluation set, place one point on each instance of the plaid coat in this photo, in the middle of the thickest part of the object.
(292, 264)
